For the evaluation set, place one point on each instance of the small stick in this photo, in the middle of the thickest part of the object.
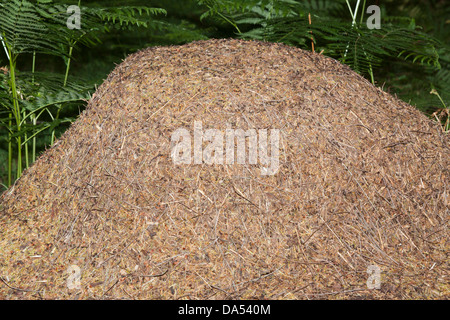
(312, 40)
(18, 289)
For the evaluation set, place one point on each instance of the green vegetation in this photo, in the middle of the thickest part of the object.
(48, 71)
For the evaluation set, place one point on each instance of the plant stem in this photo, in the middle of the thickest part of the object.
(16, 112)
(33, 150)
(439, 96)
(33, 116)
(371, 74)
(68, 65)
(71, 45)
(26, 143)
(353, 14)
(10, 125)
(362, 12)
(33, 67)
(230, 22)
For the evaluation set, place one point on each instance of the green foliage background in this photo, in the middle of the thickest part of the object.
(409, 56)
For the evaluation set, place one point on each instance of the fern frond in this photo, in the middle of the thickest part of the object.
(22, 28)
(126, 16)
(326, 7)
(40, 91)
(45, 90)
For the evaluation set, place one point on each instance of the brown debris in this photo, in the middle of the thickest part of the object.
(363, 180)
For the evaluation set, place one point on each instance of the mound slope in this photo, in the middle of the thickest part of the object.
(362, 183)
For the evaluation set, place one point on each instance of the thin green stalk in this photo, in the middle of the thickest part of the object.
(27, 164)
(10, 125)
(65, 83)
(68, 65)
(52, 140)
(362, 12)
(228, 20)
(372, 78)
(70, 55)
(16, 112)
(33, 116)
(353, 14)
(33, 150)
(361, 22)
(66, 76)
(434, 91)
(33, 67)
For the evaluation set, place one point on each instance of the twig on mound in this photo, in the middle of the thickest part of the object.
(239, 193)
(148, 275)
(18, 289)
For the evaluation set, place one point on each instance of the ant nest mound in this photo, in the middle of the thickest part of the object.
(228, 169)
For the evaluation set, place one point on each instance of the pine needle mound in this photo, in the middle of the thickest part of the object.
(362, 183)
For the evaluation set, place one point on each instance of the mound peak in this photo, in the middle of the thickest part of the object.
(361, 182)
